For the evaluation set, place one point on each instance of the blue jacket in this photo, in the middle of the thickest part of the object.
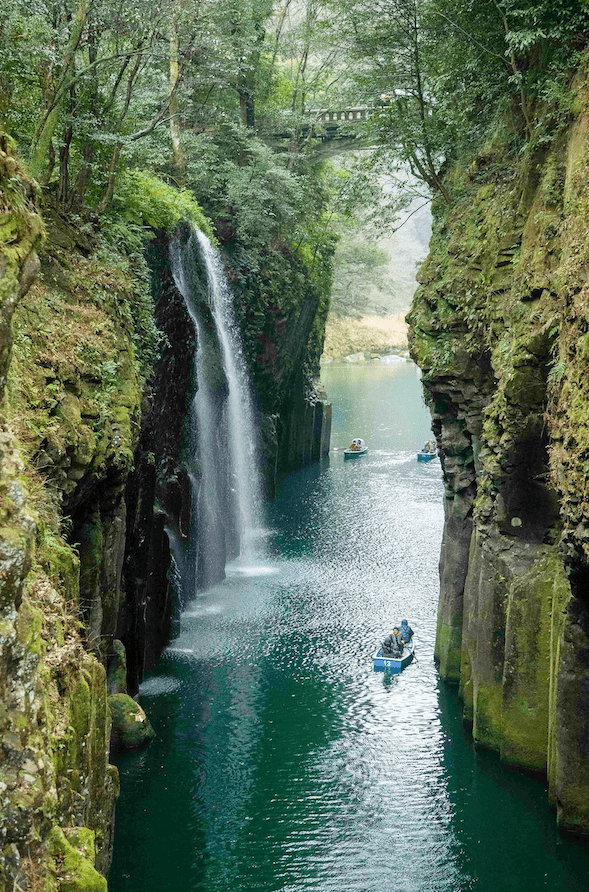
(406, 631)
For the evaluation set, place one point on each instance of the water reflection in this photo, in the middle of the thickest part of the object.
(282, 761)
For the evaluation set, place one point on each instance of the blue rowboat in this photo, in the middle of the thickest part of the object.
(428, 452)
(357, 448)
(394, 664)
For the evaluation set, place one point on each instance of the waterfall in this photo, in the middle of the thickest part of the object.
(222, 461)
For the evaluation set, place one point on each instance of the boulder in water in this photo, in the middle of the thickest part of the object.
(131, 729)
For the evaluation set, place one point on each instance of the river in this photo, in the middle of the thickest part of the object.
(282, 761)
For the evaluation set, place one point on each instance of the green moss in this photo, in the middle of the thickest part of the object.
(81, 708)
(77, 873)
(82, 839)
(117, 669)
(60, 395)
(59, 560)
(448, 649)
(561, 595)
(143, 199)
(527, 675)
(28, 627)
(573, 814)
(90, 550)
(74, 386)
(487, 728)
(467, 694)
(465, 688)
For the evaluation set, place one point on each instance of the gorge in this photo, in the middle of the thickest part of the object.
(509, 413)
(165, 279)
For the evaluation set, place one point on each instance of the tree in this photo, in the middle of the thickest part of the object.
(436, 71)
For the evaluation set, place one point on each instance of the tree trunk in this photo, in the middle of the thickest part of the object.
(40, 148)
(179, 160)
(248, 117)
(63, 192)
(78, 192)
(110, 187)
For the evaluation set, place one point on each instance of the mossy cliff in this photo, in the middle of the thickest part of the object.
(57, 790)
(78, 342)
(281, 312)
(500, 327)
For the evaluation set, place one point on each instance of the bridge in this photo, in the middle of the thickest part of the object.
(328, 124)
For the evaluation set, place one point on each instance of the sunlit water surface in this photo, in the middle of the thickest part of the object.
(282, 761)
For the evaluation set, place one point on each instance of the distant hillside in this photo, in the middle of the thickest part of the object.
(374, 283)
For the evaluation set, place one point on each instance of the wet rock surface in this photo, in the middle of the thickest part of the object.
(498, 330)
(283, 315)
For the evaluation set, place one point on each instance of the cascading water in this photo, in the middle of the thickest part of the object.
(223, 454)
(240, 417)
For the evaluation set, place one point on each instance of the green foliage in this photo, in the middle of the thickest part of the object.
(436, 72)
(120, 249)
(146, 202)
(237, 177)
(143, 204)
(86, 87)
(269, 208)
(546, 24)
(557, 373)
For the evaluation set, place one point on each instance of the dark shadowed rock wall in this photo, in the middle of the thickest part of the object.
(283, 313)
(159, 492)
(500, 328)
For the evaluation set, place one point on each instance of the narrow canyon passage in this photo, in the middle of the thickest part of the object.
(282, 761)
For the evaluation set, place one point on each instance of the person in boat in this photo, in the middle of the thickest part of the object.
(355, 446)
(405, 632)
(393, 645)
(398, 641)
(429, 447)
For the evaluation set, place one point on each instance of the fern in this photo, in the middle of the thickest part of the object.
(144, 203)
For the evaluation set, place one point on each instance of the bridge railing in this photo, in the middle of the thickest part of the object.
(328, 123)
(328, 115)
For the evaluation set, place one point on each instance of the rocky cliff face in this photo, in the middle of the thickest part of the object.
(499, 327)
(92, 487)
(158, 493)
(283, 313)
(282, 324)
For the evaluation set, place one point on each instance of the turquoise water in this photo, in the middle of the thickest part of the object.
(282, 761)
